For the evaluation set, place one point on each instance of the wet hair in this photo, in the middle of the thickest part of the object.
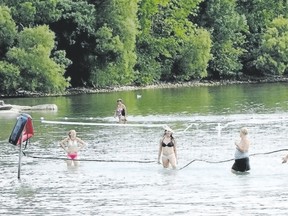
(244, 130)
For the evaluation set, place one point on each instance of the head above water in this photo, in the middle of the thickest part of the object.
(72, 133)
(167, 128)
(244, 131)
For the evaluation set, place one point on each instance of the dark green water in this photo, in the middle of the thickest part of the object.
(173, 103)
(195, 100)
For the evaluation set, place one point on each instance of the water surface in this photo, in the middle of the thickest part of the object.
(206, 121)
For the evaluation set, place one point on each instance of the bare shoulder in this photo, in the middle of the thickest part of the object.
(79, 139)
(65, 139)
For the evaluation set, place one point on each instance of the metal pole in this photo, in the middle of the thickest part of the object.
(20, 155)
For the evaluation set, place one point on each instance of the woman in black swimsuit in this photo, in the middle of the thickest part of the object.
(167, 148)
(121, 111)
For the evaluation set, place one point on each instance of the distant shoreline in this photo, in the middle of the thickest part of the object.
(161, 85)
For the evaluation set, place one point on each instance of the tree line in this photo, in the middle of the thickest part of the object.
(50, 45)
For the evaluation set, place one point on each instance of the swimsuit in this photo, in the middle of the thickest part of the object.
(120, 112)
(170, 144)
(72, 144)
(241, 165)
(241, 161)
(169, 157)
(239, 155)
(72, 155)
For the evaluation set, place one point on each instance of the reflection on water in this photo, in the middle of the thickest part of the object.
(48, 187)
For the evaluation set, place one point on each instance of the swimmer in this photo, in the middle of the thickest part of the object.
(167, 148)
(121, 111)
(72, 145)
(241, 163)
(284, 159)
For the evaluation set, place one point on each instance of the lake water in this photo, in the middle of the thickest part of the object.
(206, 121)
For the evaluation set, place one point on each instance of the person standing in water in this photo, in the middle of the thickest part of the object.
(167, 148)
(284, 159)
(72, 145)
(121, 111)
(241, 163)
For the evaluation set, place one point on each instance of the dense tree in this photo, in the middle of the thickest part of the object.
(148, 66)
(170, 43)
(32, 56)
(121, 42)
(28, 13)
(259, 14)
(9, 78)
(273, 58)
(7, 30)
(227, 27)
(74, 32)
(114, 56)
(9, 74)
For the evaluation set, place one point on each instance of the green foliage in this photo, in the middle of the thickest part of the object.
(171, 42)
(106, 76)
(148, 69)
(108, 47)
(33, 37)
(34, 12)
(122, 42)
(7, 30)
(148, 66)
(117, 20)
(80, 15)
(9, 77)
(259, 14)
(24, 13)
(47, 11)
(59, 57)
(274, 45)
(32, 55)
(227, 27)
(195, 54)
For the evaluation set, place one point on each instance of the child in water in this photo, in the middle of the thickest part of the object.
(72, 145)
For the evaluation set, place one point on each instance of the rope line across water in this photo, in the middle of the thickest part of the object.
(95, 160)
(223, 161)
(150, 161)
